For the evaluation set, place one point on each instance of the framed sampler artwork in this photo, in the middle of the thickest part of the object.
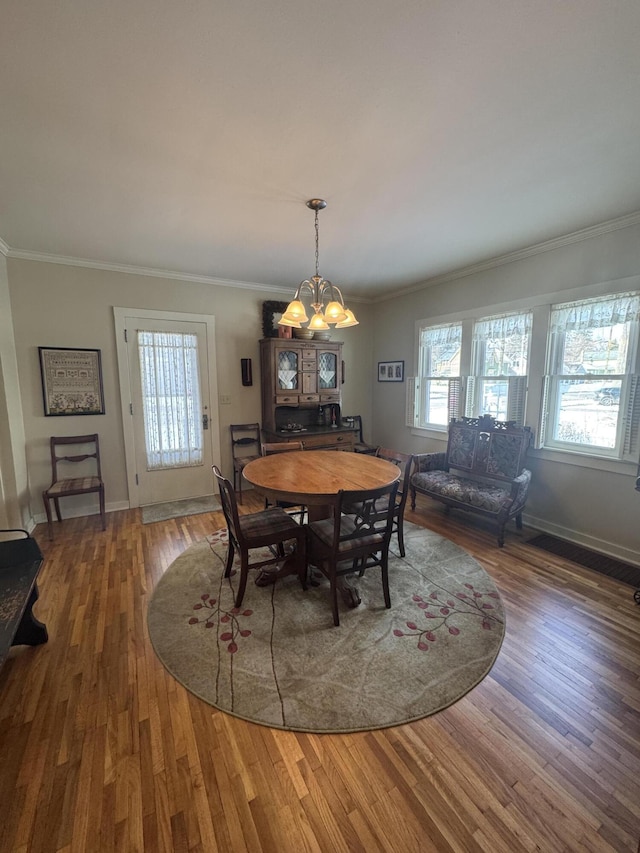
(391, 371)
(71, 381)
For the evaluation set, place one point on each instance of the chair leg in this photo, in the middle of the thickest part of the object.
(244, 556)
(401, 536)
(333, 581)
(47, 509)
(56, 504)
(385, 581)
(103, 514)
(229, 563)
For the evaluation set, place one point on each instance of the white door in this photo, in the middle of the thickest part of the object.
(170, 419)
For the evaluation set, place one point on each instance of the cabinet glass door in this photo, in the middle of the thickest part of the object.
(286, 370)
(327, 371)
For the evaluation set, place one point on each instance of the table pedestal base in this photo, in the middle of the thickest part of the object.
(266, 577)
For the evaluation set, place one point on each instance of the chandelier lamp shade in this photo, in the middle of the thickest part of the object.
(326, 299)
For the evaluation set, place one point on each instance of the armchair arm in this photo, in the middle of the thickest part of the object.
(518, 497)
(520, 487)
(429, 462)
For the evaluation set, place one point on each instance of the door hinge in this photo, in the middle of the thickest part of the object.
(137, 481)
(126, 339)
(130, 408)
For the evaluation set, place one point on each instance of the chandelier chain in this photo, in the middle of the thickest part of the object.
(317, 240)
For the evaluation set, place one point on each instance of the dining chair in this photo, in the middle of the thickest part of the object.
(270, 528)
(404, 461)
(360, 446)
(268, 448)
(245, 447)
(81, 482)
(354, 538)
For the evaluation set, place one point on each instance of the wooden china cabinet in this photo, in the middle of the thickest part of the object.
(301, 392)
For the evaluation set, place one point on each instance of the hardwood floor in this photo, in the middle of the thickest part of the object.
(102, 750)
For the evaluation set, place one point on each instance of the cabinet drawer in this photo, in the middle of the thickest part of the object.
(309, 398)
(327, 441)
(310, 366)
(330, 398)
(283, 399)
(309, 354)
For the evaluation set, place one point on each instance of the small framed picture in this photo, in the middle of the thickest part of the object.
(391, 371)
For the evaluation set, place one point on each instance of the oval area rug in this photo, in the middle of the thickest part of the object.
(278, 660)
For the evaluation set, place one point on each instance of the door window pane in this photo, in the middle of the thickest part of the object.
(170, 399)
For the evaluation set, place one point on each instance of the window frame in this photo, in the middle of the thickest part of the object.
(625, 447)
(419, 389)
(517, 385)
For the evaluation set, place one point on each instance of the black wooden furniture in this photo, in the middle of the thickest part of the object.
(63, 486)
(481, 472)
(20, 561)
(355, 538)
(360, 446)
(272, 527)
(245, 446)
(404, 461)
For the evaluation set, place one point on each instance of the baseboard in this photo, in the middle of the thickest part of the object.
(80, 512)
(610, 549)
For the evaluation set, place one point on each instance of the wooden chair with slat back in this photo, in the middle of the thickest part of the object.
(245, 447)
(355, 538)
(269, 528)
(81, 484)
(360, 446)
(270, 447)
(404, 461)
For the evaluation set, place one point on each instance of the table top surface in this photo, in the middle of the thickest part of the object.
(314, 475)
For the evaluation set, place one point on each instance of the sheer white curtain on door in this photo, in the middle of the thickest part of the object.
(170, 399)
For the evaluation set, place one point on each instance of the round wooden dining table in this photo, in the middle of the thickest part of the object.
(308, 478)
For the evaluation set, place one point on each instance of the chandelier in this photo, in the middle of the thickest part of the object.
(326, 299)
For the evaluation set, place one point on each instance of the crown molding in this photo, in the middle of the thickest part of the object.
(87, 263)
(520, 254)
(462, 272)
(42, 257)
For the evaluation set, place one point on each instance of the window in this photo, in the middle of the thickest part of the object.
(170, 399)
(498, 382)
(436, 394)
(592, 399)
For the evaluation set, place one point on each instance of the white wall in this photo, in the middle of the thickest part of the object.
(594, 506)
(13, 465)
(57, 305)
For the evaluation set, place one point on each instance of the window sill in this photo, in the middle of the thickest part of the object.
(582, 460)
(441, 433)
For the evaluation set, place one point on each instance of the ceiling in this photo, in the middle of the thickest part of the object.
(186, 135)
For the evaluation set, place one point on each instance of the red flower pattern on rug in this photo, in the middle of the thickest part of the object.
(215, 615)
(445, 612)
(219, 616)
